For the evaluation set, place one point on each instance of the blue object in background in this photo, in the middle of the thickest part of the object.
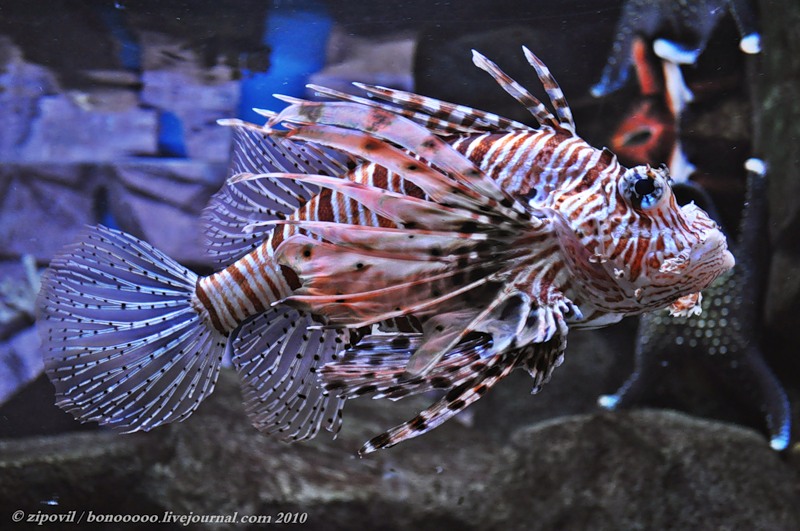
(171, 142)
(130, 53)
(297, 34)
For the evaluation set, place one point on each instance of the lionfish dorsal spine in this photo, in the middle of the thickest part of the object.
(553, 90)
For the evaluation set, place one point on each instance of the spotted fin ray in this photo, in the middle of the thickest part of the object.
(405, 133)
(277, 355)
(123, 344)
(528, 100)
(376, 366)
(439, 117)
(486, 373)
(235, 215)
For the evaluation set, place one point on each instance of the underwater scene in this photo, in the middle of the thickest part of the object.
(278, 262)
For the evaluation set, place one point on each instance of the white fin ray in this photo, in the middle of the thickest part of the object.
(389, 240)
(553, 90)
(277, 356)
(129, 353)
(237, 206)
(403, 132)
(437, 126)
(517, 91)
(401, 209)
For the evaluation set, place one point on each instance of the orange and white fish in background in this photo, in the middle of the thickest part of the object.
(385, 246)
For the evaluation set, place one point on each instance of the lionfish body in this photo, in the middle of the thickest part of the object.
(384, 246)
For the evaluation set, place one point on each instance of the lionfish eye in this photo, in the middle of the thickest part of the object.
(642, 189)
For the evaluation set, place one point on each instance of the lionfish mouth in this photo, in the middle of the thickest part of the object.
(709, 255)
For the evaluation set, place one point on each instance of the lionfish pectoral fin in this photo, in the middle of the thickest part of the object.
(542, 358)
(546, 320)
(441, 333)
(277, 355)
(123, 342)
(491, 371)
(376, 365)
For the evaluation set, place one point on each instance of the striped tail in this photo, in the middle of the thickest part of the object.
(124, 342)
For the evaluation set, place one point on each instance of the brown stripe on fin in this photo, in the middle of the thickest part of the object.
(232, 219)
(492, 370)
(376, 366)
(553, 90)
(517, 91)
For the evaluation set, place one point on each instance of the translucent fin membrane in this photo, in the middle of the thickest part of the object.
(247, 204)
(122, 343)
(277, 357)
(486, 373)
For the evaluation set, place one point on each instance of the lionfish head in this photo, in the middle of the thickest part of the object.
(664, 251)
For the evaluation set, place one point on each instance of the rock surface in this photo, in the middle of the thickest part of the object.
(779, 129)
(642, 470)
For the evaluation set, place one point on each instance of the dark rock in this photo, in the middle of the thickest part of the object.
(641, 470)
(595, 363)
(779, 123)
(644, 470)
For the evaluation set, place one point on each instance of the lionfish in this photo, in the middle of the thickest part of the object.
(383, 246)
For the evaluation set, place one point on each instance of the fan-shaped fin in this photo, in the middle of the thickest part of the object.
(123, 343)
(249, 204)
(277, 355)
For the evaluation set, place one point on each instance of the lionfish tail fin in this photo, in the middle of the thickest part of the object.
(277, 355)
(491, 371)
(123, 343)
